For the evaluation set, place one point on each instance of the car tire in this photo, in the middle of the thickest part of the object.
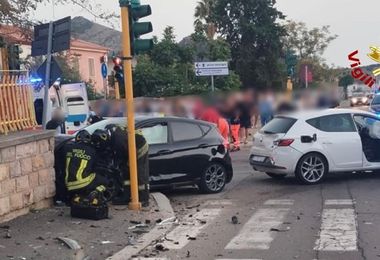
(213, 179)
(276, 176)
(312, 168)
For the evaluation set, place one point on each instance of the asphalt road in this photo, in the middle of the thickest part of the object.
(276, 219)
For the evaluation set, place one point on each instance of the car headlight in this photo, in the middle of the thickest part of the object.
(354, 100)
(364, 99)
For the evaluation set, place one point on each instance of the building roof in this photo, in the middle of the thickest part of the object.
(15, 35)
(77, 44)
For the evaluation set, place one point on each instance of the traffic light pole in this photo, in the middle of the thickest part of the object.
(127, 65)
(47, 77)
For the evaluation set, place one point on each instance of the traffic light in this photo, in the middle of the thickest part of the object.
(14, 57)
(118, 69)
(138, 29)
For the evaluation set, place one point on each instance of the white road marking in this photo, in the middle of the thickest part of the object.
(150, 258)
(256, 233)
(338, 231)
(236, 259)
(179, 237)
(219, 203)
(346, 202)
(279, 202)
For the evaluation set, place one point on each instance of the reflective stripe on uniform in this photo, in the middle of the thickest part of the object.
(80, 184)
(142, 151)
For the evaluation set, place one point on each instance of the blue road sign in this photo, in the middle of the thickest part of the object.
(104, 70)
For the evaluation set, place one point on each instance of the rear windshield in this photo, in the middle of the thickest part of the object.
(278, 125)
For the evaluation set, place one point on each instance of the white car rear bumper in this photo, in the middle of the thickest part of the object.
(280, 160)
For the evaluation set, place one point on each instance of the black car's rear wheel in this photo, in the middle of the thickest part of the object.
(213, 178)
(276, 175)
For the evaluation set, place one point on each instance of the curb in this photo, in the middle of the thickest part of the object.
(158, 231)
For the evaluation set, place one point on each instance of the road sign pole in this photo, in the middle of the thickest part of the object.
(212, 84)
(306, 76)
(128, 82)
(47, 76)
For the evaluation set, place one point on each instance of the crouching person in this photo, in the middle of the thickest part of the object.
(86, 188)
(119, 144)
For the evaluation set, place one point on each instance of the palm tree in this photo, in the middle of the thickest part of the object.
(202, 16)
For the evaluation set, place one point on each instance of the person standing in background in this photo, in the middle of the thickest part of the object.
(57, 121)
(235, 128)
(266, 108)
(245, 107)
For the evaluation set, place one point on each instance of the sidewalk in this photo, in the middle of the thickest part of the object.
(34, 236)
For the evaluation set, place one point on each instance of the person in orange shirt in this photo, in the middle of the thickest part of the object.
(224, 130)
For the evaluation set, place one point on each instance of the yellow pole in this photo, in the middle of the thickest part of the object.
(127, 65)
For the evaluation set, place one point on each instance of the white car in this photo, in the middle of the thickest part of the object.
(311, 144)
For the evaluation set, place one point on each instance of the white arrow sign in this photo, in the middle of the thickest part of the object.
(211, 68)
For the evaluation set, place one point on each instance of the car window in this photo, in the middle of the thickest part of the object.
(333, 123)
(278, 125)
(376, 100)
(185, 131)
(157, 134)
(102, 124)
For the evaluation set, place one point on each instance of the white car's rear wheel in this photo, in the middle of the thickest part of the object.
(312, 168)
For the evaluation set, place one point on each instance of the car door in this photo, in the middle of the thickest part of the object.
(190, 150)
(339, 139)
(160, 155)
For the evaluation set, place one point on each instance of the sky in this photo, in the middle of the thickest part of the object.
(353, 21)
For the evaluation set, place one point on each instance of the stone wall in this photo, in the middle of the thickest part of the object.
(26, 172)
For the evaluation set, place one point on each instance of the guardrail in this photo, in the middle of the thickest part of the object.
(16, 104)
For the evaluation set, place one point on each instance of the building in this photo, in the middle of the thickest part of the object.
(87, 54)
(88, 57)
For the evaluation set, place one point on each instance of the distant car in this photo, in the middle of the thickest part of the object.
(375, 105)
(311, 144)
(181, 152)
(359, 98)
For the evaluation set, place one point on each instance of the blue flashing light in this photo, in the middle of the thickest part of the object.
(35, 80)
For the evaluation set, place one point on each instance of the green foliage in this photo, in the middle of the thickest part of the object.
(309, 45)
(252, 30)
(168, 70)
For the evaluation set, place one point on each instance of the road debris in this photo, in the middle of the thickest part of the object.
(70, 243)
(234, 220)
(160, 247)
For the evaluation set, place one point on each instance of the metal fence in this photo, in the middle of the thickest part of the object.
(16, 103)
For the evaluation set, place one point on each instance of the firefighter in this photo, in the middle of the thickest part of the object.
(119, 144)
(81, 180)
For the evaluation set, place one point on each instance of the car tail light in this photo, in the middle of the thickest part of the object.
(284, 142)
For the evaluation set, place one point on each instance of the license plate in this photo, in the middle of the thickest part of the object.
(258, 158)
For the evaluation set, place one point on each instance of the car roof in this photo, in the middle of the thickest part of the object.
(140, 119)
(305, 115)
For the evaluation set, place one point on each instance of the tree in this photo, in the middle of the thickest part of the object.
(17, 12)
(252, 30)
(203, 17)
(308, 44)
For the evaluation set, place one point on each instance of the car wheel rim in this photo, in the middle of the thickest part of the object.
(312, 169)
(215, 177)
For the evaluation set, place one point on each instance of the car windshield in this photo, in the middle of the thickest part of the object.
(376, 100)
(278, 125)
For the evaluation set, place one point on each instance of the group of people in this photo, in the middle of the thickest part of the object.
(235, 115)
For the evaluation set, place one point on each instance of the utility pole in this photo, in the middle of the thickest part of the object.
(47, 76)
(306, 76)
(128, 82)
